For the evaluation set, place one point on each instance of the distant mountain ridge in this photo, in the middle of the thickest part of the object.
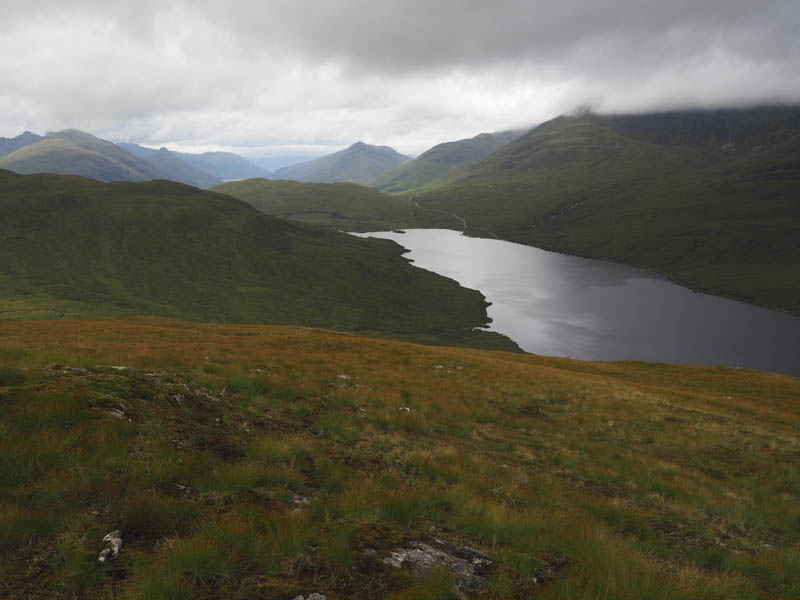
(441, 160)
(9, 145)
(172, 165)
(359, 163)
(224, 165)
(74, 152)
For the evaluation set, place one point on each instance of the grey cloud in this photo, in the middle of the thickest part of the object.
(408, 72)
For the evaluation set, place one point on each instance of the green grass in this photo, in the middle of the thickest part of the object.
(581, 480)
(342, 206)
(708, 198)
(80, 248)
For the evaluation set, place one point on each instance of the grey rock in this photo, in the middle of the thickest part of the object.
(311, 596)
(113, 542)
(467, 565)
(79, 371)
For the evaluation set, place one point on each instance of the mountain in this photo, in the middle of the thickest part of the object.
(223, 165)
(175, 168)
(360, 163)
(255, 462)
(272, 163)
(343, 206)
(440, 160)
(9, 145)
(706, 197)
(74, 152)
(75, 247)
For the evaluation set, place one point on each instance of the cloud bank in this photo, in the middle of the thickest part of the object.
(269, 77)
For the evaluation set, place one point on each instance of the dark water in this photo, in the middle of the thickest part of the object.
(561, 305)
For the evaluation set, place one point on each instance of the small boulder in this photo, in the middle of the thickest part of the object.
(113, 542)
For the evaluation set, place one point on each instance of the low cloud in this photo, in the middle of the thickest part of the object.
(254, 76)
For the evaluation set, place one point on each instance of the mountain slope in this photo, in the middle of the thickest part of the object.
(257, 462)
(360, 163)
(9, 145)
(175, 168)
(709, 198)
(344, 206)
(440, 160)
(75, 247)
(74, 152)
(223, 165)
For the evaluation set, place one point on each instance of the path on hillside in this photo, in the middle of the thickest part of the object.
(449, 214)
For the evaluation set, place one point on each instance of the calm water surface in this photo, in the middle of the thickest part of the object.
(561, 305)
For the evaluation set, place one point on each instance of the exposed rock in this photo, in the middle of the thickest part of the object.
(311, 596)
(113, 543)
(185, 490)
(467, 565)
(79, 371)
(116, 413)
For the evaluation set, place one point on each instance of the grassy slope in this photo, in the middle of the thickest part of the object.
(412, 176)
(73, 152)
(360, 163)
(343, 206)
(582, 480)
(708, 198)
(77, 247)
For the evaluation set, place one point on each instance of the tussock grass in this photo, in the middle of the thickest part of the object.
(243, 466)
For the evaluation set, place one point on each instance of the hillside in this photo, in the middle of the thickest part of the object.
(223, 165)
(269, 462)
(9, 145)
(709, 198)
(74, 152)
(75, 247)
(174, 167)
(360, 163)
(441, 160)
(343, 206)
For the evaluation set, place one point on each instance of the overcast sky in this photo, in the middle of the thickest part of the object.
(265, 77)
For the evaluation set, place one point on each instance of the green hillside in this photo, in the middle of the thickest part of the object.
(75, 247)
(173, 166)
(709, 198)
(360, 163)
(256, 462)
(441, 160)
(74, 152)
(343, 206)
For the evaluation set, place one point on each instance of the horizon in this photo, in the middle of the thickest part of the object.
(307, 153)
(260, 79)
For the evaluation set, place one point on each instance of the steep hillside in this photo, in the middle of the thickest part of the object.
(709, 198)
(360, 163)
(343, 206)
(256, 462)
(75, 247)
(224, 165)
(441, 160)
(74, 152)
(174, 167)
(9, 145)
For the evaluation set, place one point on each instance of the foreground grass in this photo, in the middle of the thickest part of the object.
(582, 480)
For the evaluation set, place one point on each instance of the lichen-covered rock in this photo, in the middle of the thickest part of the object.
(467, 565)
(113, 542)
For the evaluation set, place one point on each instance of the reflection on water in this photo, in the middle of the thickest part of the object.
(562, 305)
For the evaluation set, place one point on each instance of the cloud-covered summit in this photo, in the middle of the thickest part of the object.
(261, 77)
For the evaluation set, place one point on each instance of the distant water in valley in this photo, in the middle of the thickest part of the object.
(559, 305)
